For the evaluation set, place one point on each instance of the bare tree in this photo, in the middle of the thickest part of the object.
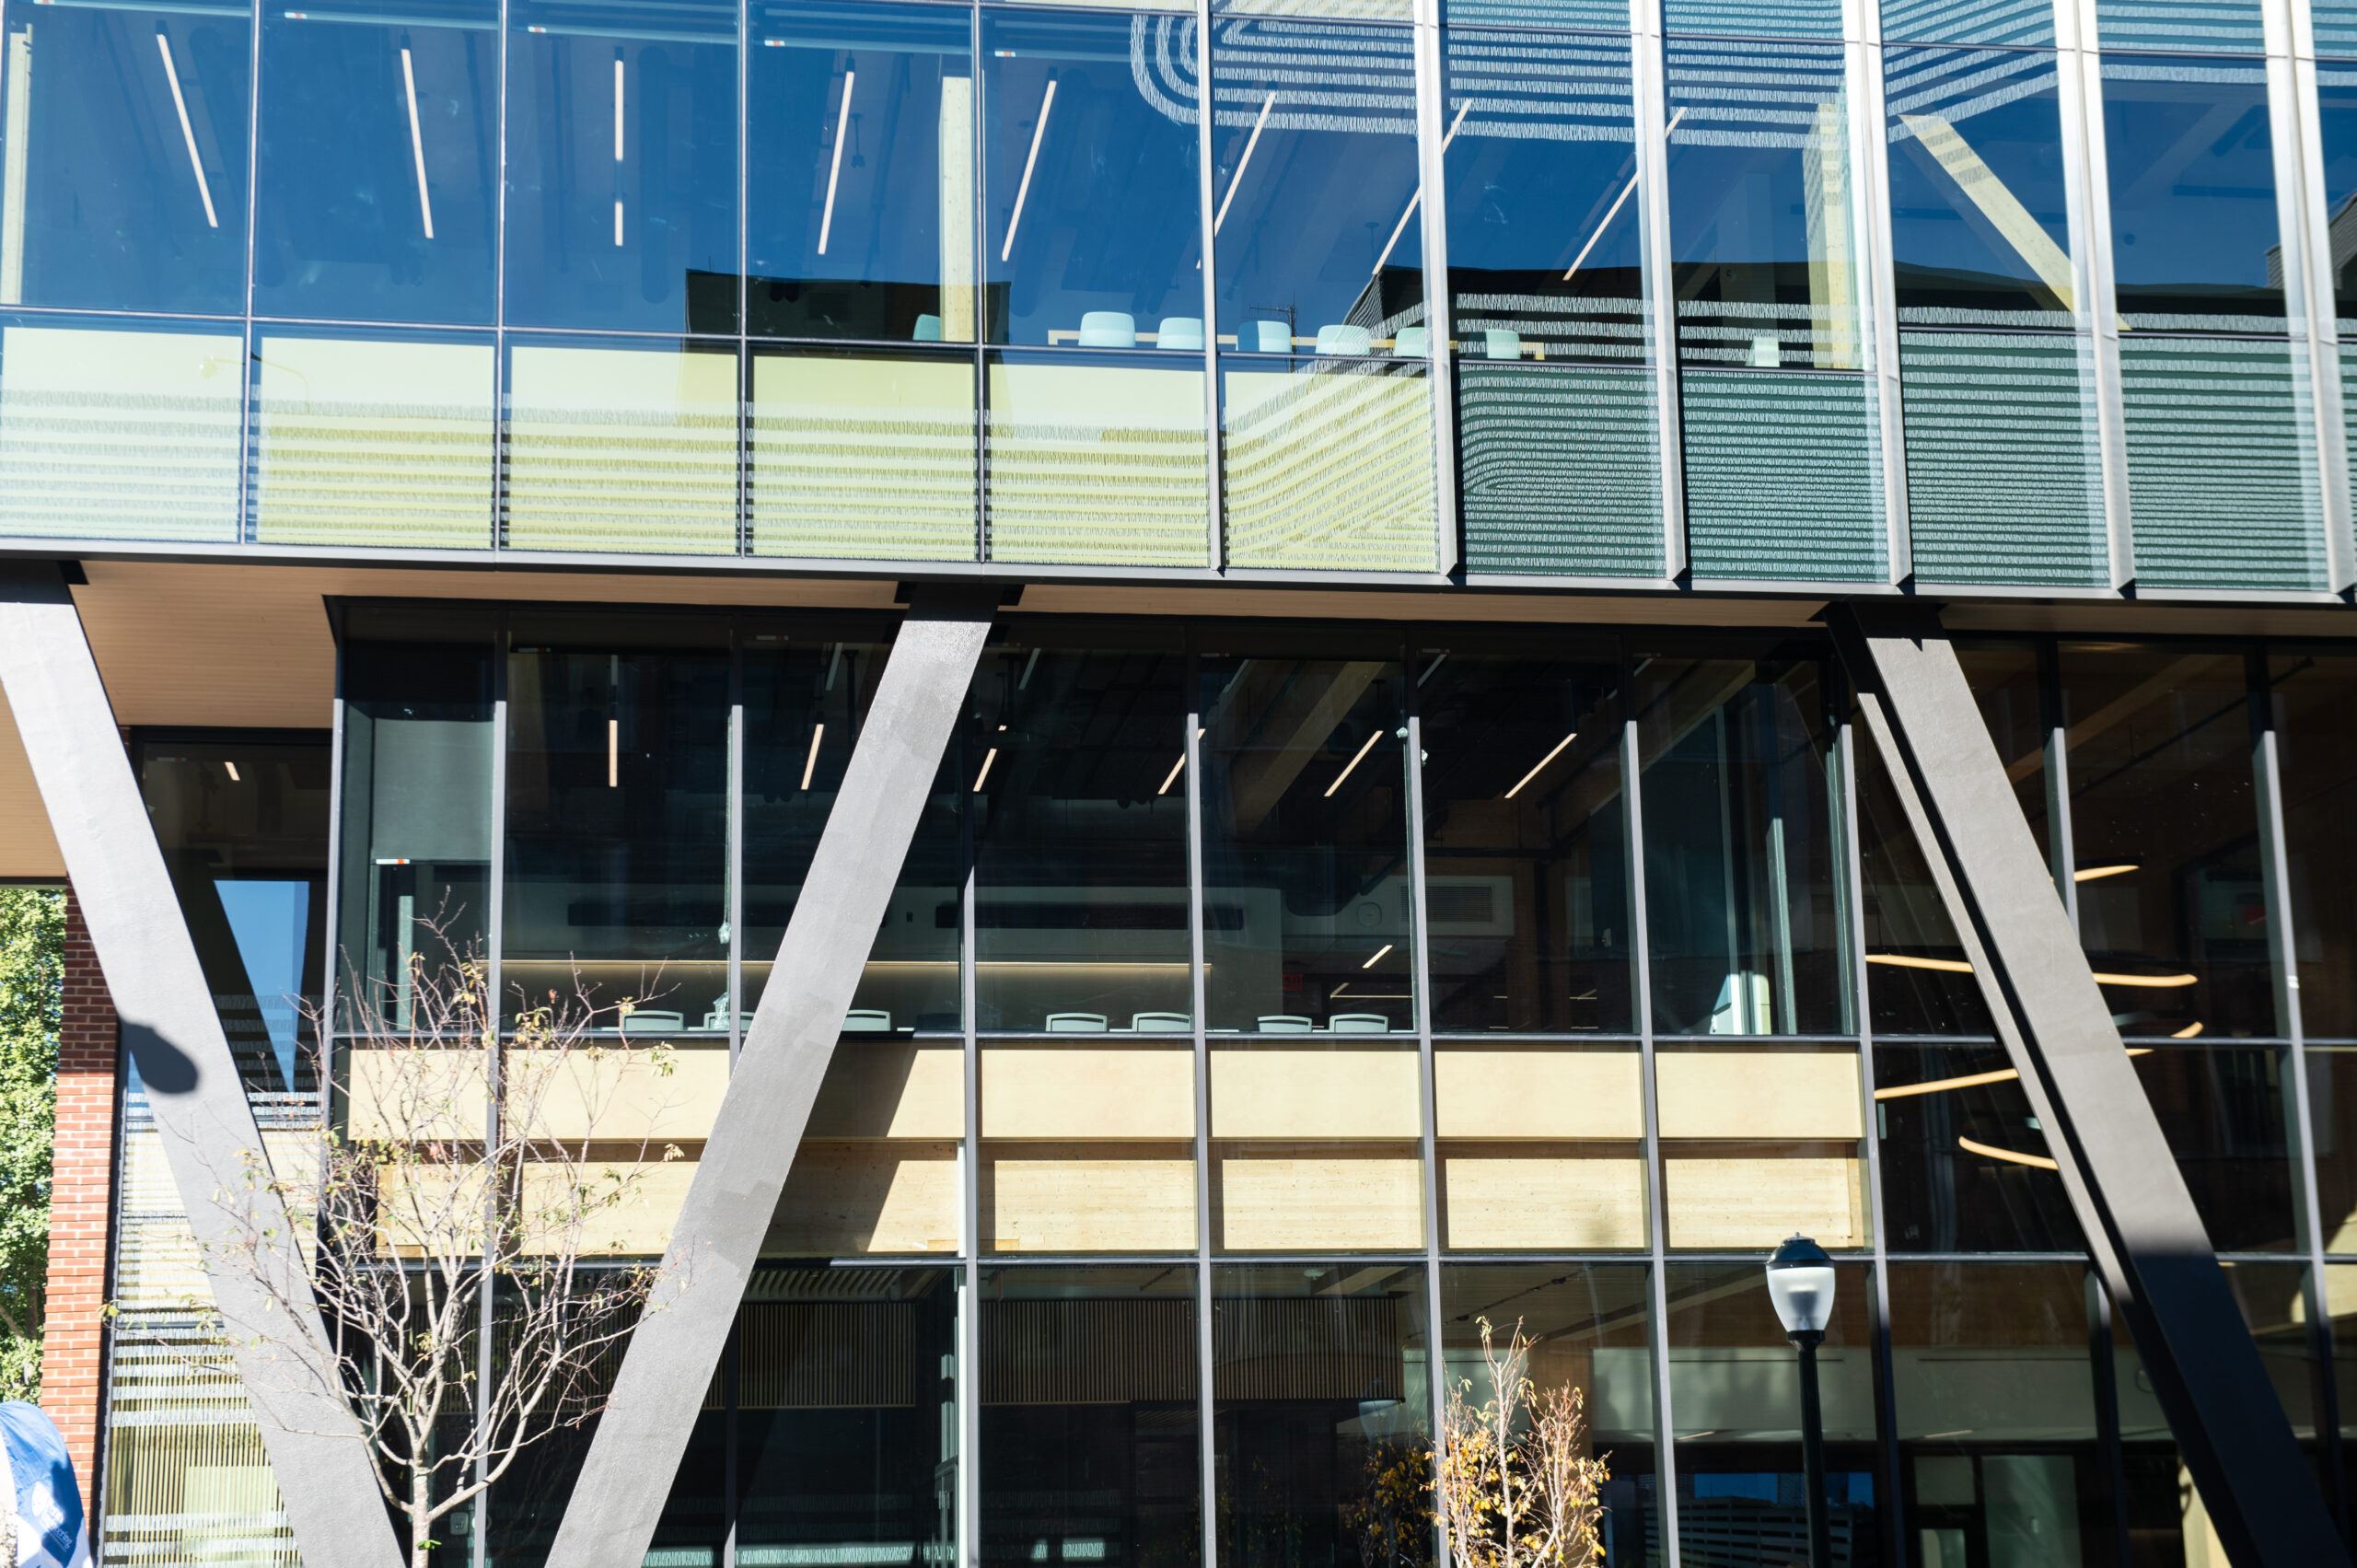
(475, 1181)
(1517, 1486)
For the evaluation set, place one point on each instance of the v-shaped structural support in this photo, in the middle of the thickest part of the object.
(2124, 1185)
(317, 1448)
(627, 1476)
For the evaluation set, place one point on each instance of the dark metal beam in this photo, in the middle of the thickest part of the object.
(627, 1477)
(2131, 1201)
(317, 1448)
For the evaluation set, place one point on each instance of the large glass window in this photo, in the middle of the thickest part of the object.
(2193, 223)
(1092, 232)
(622, 164)
(124, 182)
(860, 221)
(1965, 1167)
(380, 142)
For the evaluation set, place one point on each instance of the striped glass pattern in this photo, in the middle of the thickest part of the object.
(1588, 16)
(1783, 476)
(1330, 468)
(2005, 482)
(1763, 19)
(2335, 31)
(2022, 23)
(858, 456)
(1562, 469)
(2222, 472)
(2209, 26)
(1098, 462)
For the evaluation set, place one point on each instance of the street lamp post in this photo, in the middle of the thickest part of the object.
(1800, 1283)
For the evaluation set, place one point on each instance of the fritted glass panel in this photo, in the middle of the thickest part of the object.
(1588, 1329)
(122, 173)
(1965, 1167)
(1544, 255)
(2023, 23)
(2193, 224)
(622, 164)
(1097, 458)
(118, 433)
(1918, 980)
(1735, 1387)
(1762, 1143)
(846, 1410)
(374, 440)
(1080, 831)
(2005, 474)
(2221, 469)
(415, 836)
(1314, 171)
(618, 819)
(2223, 1109)
(1588, 16)
(1771, 18)
(1091, 187)
(1559, 469)
(379, 135)
(1784, 475)
(2335, 33)
(1088, 1145)
(622, 445)
(1307, 908)
(864, 455)
(2223, 26)
(1091, 1445)
(1744, 914)
(806, 692)
(1980, 232)
(2310, 696)
(1541, 1146)
(1999, 1446)
(2172, 901)
(1322, 1409)
(1526, 841)
(860, 215)
(1330, 465)
(243, 828)
(2335, 25)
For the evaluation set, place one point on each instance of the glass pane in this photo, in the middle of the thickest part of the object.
(109, 433)
(1093, 230)
(2004, 473)
(1734, 1384)
(1330, 465)
(878, 1170)
(1758, 1144)
(846, 1412)
(1785, 19)
(2226, 26)
(2025, 23)
(860, 218)
(1098, 459)
(379, 137)
(1981, 227)
(1918, 982)
(2335, 30)
(417, 796)
(622, 164)
(1544, 255)
(2227, 1118)
(1588, 16)
(2000, 1455)
(1526, 842)
(124, 183)
(2222, 469)
(1560, 468)
(806, 703)
(1080, 828)
(617, 819)
(2192, 194)
(621, 447)
(1088, 1146)
(1307, 916)
(1322, 1400)
(1314, 168)
(1784, 475)
(1540, 1146)
(1315, 1146)
(862, 454)
(1091, 1447)
(243, 828)
(2310, 697)
(1965, 1167)
(374, 441)
(1742, 915)
(2171, 907)
(1589, 1330)
(2010, 683)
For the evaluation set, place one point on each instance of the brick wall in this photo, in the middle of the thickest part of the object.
(81, 1196)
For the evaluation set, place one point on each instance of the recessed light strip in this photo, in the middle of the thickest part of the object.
(1542, 764)
(188, 131)
(835, 169)
(1353, 763)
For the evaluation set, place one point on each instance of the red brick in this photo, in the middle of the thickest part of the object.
(81, 1202)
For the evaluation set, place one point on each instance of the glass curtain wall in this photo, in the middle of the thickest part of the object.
(1200, 1218)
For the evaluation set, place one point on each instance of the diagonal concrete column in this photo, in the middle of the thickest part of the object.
(2131, 1201)
(315, 1444)
(624, 1480)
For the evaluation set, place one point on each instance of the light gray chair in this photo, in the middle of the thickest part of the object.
(867, 1021)
(1266, 337)
(1499, 343)
(1179, 332)
(1108, 328)
(1076, 1023)
(1161, 1023)
(928, 330)
(1358, 1023)
(1412, 343)
(1285, 1024)
(653, 1021)
(1342, 338)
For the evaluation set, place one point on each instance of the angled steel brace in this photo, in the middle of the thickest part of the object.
(2131, 1203)
(317, 1448)
(627, 1477)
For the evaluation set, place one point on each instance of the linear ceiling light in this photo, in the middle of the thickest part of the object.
(1023, 189)
(1402, 226)
(1379, 954)
(810, 763)
(188, 131)
(618, 150)
(1614, 211)
(417, 146)
(1354, 761)
(1237, 178)
(1969, 1080)
(835, 169)
(1542, 764)
(2039, 1161)
(2095, 873)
